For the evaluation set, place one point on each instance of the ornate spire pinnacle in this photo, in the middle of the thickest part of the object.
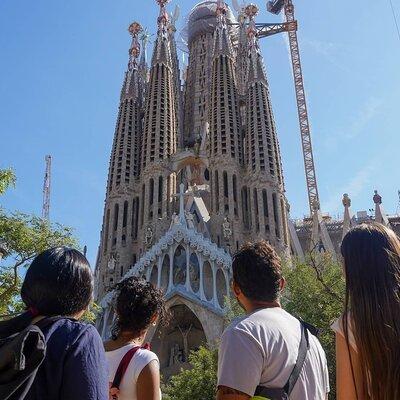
(163, 18)
(134, 29)
(222, 40)
(251, 11)
(380, 215)
(256, 66)
(346, 201)
(134, 52)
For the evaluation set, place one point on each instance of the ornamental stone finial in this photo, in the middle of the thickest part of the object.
(346, 200)
(251, 10)
(377, 198)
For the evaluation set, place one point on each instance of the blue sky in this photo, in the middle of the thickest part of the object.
(61, 69)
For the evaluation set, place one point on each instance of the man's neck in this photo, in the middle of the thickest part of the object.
(258, 305)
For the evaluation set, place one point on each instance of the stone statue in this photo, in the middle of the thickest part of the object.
(190, 220)
(185, 333)
(377, 198)
(175, 355)
(149, 236)
(226, 228)
(112, 262)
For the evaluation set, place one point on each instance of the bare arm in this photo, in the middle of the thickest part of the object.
(346, 387)
(148, 383)
(227, 393)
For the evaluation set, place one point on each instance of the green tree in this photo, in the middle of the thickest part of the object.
(314, 292)
(197, 383)
(22, 237)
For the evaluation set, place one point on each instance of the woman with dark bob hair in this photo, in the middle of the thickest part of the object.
(59, 283)
(138, 305)
(368, 334)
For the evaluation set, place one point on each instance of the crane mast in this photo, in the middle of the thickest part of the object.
(276, 7)
(46, 189)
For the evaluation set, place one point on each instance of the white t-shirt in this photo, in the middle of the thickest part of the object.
(128, 383)
(262, 349)
(338, 327)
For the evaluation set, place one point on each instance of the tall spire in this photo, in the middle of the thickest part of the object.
(347, 214)
(222, 41)
(242, 53)
(143, 66)
(263, 152)
(380, 215)
(255, 70)
(130, 88)
(224, 113)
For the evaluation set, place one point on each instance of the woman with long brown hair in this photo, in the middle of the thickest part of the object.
(368, 334)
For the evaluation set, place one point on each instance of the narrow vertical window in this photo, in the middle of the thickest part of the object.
(125, 215)
(116, 212)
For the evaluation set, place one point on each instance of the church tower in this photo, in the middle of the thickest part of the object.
(263, 194)
(114, 255)
(226, 145)
(210, 141)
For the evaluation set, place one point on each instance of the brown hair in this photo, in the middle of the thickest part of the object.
(371, 255)
(257, 270)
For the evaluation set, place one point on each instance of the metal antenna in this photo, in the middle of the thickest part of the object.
(46, 189)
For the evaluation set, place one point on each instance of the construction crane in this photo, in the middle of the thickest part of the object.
(275, 7)
(320, 238)
(46, 189)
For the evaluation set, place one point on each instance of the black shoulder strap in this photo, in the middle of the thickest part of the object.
(301, 357)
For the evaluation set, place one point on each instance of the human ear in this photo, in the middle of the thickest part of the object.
(282, 284)
(236, 289)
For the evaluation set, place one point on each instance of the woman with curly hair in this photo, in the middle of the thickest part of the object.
(134, 371)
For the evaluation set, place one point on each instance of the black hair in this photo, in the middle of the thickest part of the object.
(137, 301)
(58, 282)
(257, 271)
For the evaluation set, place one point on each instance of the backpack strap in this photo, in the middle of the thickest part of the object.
(123, 366)
(301, 357)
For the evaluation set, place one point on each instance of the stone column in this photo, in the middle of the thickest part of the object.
(214, 272)
(160, 264)
(261, 213)
(271, 215)
(201, 267)
(171, 269)
(187, 283)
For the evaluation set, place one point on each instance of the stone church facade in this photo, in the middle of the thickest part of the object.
(195, 171)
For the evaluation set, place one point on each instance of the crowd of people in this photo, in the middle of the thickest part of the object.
(46, 353)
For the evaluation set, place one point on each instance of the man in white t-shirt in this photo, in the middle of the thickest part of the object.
(261, 348)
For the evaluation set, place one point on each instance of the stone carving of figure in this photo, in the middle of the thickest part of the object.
(377, 198)
(190, 220)
(149, 236)
(175, 355)
(174, 219)
(226, 228)
(111, 263)
(185, 333)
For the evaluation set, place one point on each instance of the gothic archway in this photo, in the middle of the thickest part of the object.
(173, 343)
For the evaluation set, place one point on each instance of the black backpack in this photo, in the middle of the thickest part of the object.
(265, 393)
(21, 355)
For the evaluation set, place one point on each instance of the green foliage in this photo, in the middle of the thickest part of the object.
(22, 237)
(91, 314)
(198, 382)
(314, 292)
(7, 179)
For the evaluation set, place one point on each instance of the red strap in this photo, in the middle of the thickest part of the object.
(123, 365)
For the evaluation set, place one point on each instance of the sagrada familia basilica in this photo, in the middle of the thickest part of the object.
(195, 171)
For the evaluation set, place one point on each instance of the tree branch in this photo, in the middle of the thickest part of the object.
(321, 279)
